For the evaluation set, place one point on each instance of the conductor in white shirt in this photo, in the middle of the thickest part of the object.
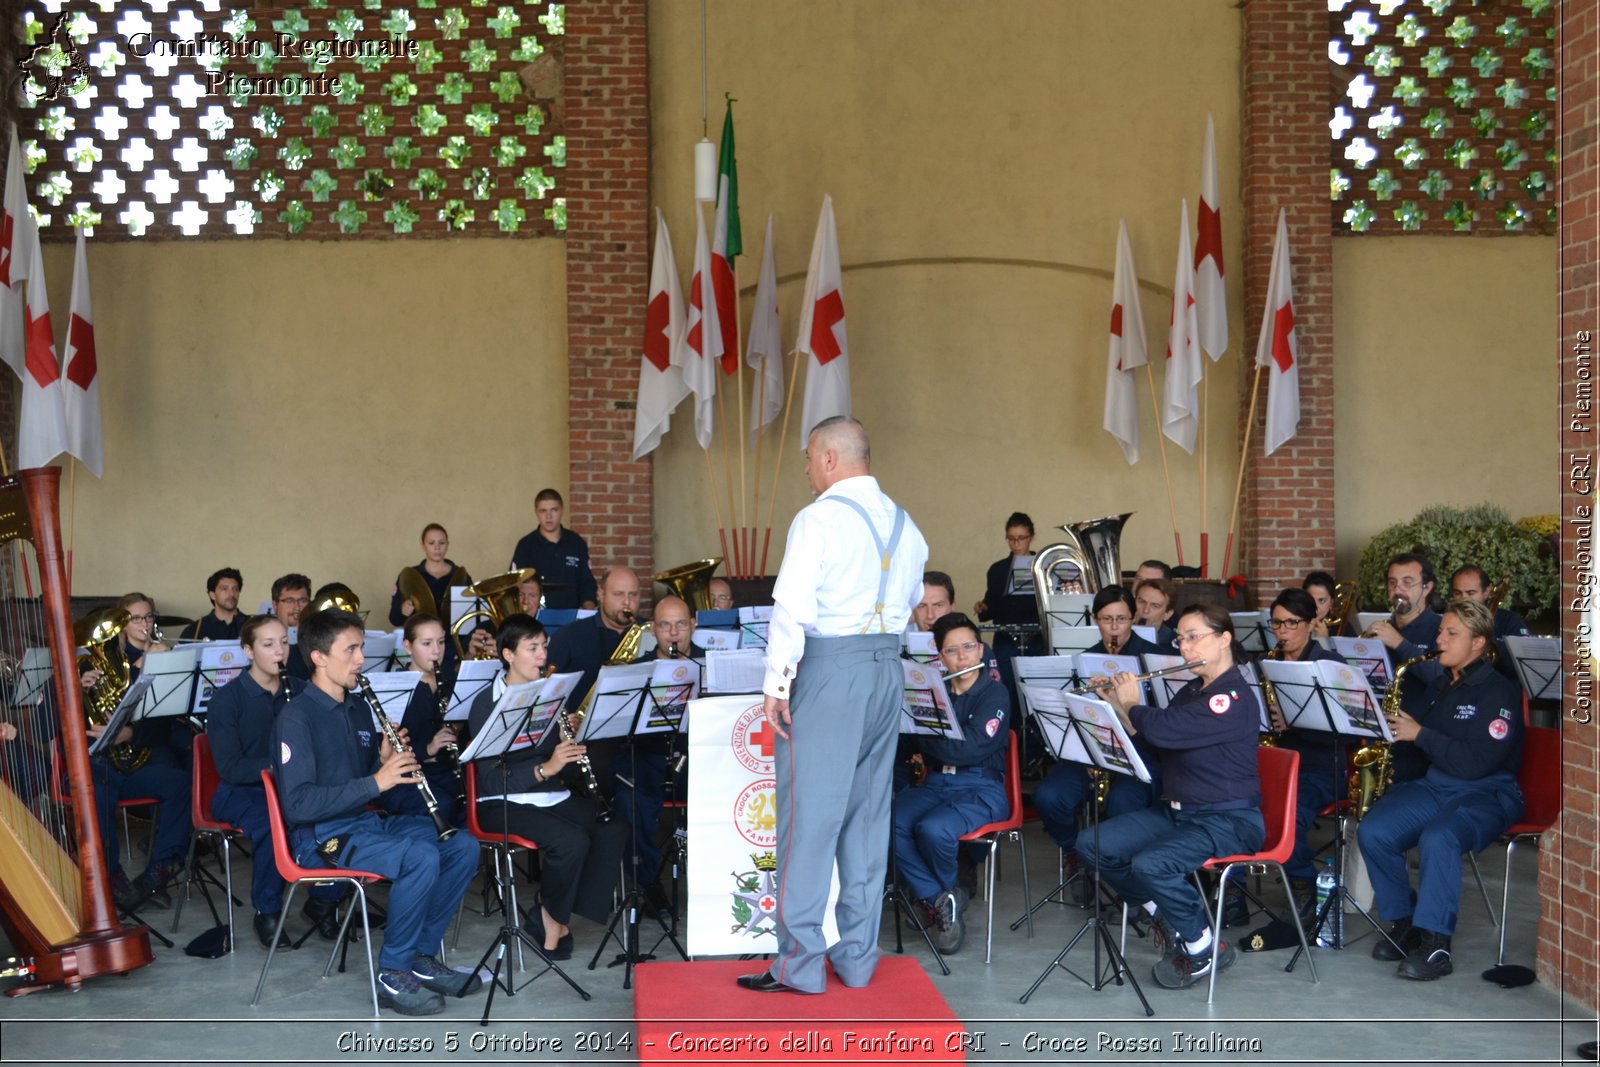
(851, 575)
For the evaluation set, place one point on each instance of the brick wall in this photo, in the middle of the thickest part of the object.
(1568, 883)
(1286, 516)
(608, 274)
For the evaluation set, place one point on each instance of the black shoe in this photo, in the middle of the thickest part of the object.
(1586, 1051)
(432, 972)
(163, 877)
(533, 925)
(129, 895)
(400, 991)
(1430, 959)
(1163, 937)
(921, 917)
(563, 949)
(265, 924)
(324, 916)
(950, 931)
(1181, 970)
(1403, 934)
(765, 983)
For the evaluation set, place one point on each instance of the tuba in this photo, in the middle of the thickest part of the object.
(100, 633)
(414, 589)
(1374, 763)
(499, 596)
(691, 582)
(1100, 542)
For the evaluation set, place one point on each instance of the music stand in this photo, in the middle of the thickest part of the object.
(647, 716)
(1538, 664)
(521, 718)
(1103, 743)
(925, 711)
(216, 664)
(1330, 697)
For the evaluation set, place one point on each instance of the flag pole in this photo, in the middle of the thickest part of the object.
(727, 466)
(1244, 454)
(777, 466)
(5, 466)
(72, 513)
(743, 536)
(1161, 440)
(761, 439)
(711, 483)
(1205, 452)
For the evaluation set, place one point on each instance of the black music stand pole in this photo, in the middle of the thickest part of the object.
(511, 934)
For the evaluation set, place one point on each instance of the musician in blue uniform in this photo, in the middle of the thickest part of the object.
(291, 595)
(1321, 776)
(1068, 786)
(1155, 602)
(331, 763)
(1470, 734)
(1410, 631)
(1207, 738)
(560, 556)
(437, 572)
(1324, 591)
(423, 719)
(223, 621)
(532, 795)
(585, 645)
(964, 787)
(1009, 600)
(1471, 583)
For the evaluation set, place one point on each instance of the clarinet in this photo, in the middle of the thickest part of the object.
(444, 829)
(450, 751)
(602, 807)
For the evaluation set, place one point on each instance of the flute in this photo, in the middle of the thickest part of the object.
(443, 828)
(965, 670)
(1191, 665)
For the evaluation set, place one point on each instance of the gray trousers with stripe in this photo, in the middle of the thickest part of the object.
(833, 785)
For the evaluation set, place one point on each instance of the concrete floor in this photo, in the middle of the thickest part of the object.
(1360, 1012)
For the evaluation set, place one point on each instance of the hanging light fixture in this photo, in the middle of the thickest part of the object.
(705, 150)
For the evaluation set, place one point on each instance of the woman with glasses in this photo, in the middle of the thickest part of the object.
(1114, 609)
(964, 789)
(438, 572)
(1008, 598)
(1206, 737)
(1321, 775)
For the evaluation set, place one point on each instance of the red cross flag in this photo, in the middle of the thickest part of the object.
(1210, 292)
(703, 342)
(82, 400)
(1276, 347)
(821, 334)
(661, 384)
(1128, 351)
(42, 428)
(16, 235)
(1180, 414)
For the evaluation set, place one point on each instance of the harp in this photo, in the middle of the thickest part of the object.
(55, 891)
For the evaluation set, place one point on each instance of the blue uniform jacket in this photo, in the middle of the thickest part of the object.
(1010, 609)
(1207, 739)
(325, 759)
(984, 713)
(582, 646)
(1418, 637)
(1135, 646)
(239, 725)
(564, 563)
(1471, 729)
(439, 587)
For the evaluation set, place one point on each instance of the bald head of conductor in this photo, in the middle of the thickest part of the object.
(837, 449)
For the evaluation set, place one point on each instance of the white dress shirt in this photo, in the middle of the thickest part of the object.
(828, 584)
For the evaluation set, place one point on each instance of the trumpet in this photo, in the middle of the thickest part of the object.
(1145, 677)
(443, 828)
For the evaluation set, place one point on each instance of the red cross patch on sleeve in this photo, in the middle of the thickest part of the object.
(1219, 704)
(1499, 729)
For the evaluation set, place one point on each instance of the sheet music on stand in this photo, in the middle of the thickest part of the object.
(753, 622)
(1253, 631)
(508, 716)
(461, 603)
(1371, 655)
(708, 639)
(33, 677)
(1538, 664)
(220, 663)
(1064, 611)
(1166, 687)
(1253, 680)
(1048, 705)
(393, 690)
(618, 691)
(674, 683)
(126, 713)
(1329, 696)
(1070, 640)
(925, 708)
(473, 676)
(173, 675)
(378, 651)
(1019, 582)
(735, 670)
(917, 645)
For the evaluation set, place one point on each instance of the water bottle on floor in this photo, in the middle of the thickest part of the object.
(1327, 936)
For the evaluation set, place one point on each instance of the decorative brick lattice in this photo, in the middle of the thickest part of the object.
(1443, 116)
(149, 118)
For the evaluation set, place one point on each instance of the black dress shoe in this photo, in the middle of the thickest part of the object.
(765, 983)
(563, 949)
(324, 915)
(265, 924)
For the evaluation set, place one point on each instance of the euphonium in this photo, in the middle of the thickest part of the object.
(499, 597)
(691, 582)
(100, 634)
(1373, 761)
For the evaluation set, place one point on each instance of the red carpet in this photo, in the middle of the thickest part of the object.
(694, 1013)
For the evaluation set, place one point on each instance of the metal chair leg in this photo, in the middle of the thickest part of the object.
(1482, 892)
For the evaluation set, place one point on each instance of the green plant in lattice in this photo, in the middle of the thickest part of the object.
(1454, 537)
(349, 216)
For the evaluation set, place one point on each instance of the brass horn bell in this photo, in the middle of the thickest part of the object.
(499, 597)
(691, 581)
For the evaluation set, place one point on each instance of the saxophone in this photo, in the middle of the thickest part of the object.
(626, 652)
(1270, 695)
(1373, 761)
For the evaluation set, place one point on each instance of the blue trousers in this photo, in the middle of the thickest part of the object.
(642, 802)
(246, 808)
(1149, 855)
(1317, 789)
(929, 821)
(1443, 819)
(1068, 787)
(160, 778)
(428, 878)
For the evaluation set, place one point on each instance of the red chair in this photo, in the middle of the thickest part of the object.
(1277, 769)
(204, 780)
(991, 833)
(295, 875)
(505, 848)
(60, 797)
(1540, 779)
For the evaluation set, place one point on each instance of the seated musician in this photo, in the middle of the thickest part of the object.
(1155, 602)
(423, 719)
(1068, 785)
(1152, 568)
(481, 642)
(642, 801)
(1468, 748)
(1411, 630)
(964, 788)
(586, 644)
(223, 621)
(1471, 583)
(331, 766)
(291, 595)
(580, 857)
(530, 595)
(1008, 601)
(239, 723)
(1324, 591)
(163, 775)
(1322, 761)
(1211, 803)
(436, 571)
(721, 594)
(560, 556)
